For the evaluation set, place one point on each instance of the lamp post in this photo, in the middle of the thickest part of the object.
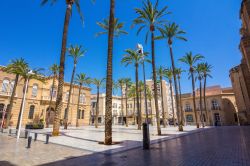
(146, 137)
(23, 105)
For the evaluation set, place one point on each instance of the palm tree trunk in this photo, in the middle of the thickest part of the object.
(126, 102)
(59, 102)
(151, 112)
(155, 83)
(134, 112)
(202, 119)
(194, 103)
(137, 97)
(11, 102)
(97, 107)
(68, 103)
(162, 104)
(180, 120)
(78, 106)
(50, 102)
(108, 114)
(204, 99)
(172, 101)
(182, 113)
(122, 107)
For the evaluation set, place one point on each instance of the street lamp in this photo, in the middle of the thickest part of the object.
(146, 137)
(23, 104)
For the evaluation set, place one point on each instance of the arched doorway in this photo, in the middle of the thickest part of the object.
(51, 115)
(231, 116)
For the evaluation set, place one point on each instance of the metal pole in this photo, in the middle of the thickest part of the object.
(23, 105)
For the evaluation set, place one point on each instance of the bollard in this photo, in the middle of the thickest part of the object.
(35, 137)
(47, 139)
(29, 141)
(26, 134)
(146, 141)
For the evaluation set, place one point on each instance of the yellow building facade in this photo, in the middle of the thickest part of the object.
(38, 99)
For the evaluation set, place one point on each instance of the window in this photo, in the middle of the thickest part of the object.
(34, 90)
(82, 98)
(189, 118)
(5, 85)
(79, 114)
(215, 105)
(67, 96)
(188, 107)
(82, 114)
(54, 91)
(31, 112)
(12, 86)
(114, 105)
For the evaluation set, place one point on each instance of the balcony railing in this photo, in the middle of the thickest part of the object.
(48, 98)
(215, 108)
(5, 93)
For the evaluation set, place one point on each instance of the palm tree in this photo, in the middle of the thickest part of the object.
(190, 60)
(98, 83)
(199, 70)
(160, 73)
(132, 94)
(54, 70)
(15, 67)
(178, 72)
(59, 102)
(27, 74)
(171, 32)
(133, 57)
(141, 88)
(76, 53)
(149, 16)
(206, 70)
(168, 73)
(128, 84)
(81, 79)
(118, 27)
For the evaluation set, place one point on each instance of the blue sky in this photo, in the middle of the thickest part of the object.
(33, 32)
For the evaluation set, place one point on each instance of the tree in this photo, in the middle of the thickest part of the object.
(160, 73)
(128, 84)
(178, 72)
(81, 79)
(200, 76)
(54, 70)
(117, 29)
(27, 74)
(206, 70)
(76, 53)
(171, 32)
(133, 57)
(121, 84)
(59, 102)
(132, 94)
(149, 16)
(150, 97)
(168, 73)
(190, 60)
(16, 67)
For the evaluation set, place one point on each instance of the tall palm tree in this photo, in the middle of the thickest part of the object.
(160, 73)
(132, 94)
(54, 70)
(27, 74)
(98, 83)
(206, 70)
(149, 16)
(150, 96)
(15, 67)
(121, 84)
(76, 53)
(118, 27)
(141, 88)
(81, 79)
(133, 57)
(200, 76)
(168, 73)
(171, 32)
(178, 72)
(59, 102)
(109, 79)
(190, 60)
(128, 84)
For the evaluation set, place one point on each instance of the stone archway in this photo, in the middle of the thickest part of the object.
(51, 116)
(230, 113)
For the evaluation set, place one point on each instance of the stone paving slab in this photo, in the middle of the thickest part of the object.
(88, 137)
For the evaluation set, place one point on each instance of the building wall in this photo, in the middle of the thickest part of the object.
(41, 100)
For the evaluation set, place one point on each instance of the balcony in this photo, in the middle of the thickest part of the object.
(215, 108)
(6, 93)
(47, 98)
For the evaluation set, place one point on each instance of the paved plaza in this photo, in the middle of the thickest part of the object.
(215, 146)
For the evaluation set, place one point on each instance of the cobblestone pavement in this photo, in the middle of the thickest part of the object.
(219, 146)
